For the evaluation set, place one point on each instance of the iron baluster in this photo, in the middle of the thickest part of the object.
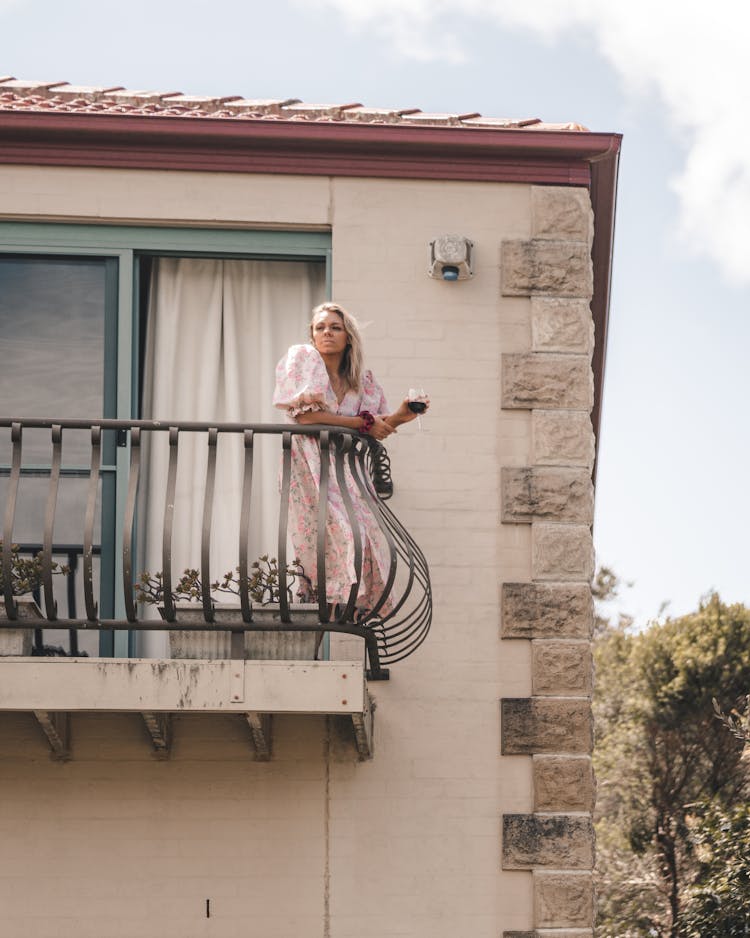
(244, 546)
(320, 546)
(49, 523)
(286, 476)
(208, 508)
(166, 544)
(344, 444)
(127, 536)
(92, 608)
(16, 435)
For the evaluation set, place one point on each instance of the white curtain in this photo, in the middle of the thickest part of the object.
(215, 330)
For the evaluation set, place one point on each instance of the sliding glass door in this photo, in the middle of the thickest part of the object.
(130, 322)
(57, 344)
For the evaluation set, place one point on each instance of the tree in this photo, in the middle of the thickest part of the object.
(660, 750)
(629, 887)
(719, 902)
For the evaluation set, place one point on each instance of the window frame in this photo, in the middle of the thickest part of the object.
(124, 245)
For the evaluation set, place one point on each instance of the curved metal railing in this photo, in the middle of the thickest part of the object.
(355, 467)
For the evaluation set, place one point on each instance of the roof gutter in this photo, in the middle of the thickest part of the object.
(603, 193)
(296, 146)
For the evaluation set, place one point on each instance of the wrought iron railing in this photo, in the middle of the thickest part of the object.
(395, 625)
(70, 555)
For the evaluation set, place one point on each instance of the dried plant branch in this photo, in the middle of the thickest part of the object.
(263, 584)
(26, 572)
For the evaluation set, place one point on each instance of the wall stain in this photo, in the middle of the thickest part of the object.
(327, 833)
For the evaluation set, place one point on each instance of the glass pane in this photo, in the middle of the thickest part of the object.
(52, 341)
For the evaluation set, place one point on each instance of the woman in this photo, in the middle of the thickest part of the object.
(325, 383)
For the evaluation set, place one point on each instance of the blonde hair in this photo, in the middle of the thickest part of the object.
(352, 361)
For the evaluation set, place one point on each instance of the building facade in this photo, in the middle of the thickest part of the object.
(463, 805)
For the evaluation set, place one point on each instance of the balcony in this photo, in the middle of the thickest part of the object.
(288, 641)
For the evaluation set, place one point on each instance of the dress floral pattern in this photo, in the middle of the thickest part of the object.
(302, 386)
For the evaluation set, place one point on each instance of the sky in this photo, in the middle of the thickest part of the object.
(672, 510)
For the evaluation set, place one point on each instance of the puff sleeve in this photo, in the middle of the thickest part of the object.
(301, 381)
(373, 397)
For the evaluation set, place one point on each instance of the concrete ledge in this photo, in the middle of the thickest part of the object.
(186, 686)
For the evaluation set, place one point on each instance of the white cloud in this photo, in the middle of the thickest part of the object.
(691, 55)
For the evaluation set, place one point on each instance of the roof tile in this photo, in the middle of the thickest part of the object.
(502, 122)
(450, 120)
(319, 112)
(62, 97)
(22, 85)
(140, 97)
(375, 115)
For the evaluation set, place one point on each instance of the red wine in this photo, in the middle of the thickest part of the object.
(417, 407)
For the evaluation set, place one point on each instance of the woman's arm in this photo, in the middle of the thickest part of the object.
(329, 419)
(379, 430)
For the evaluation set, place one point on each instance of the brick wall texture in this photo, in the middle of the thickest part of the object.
(552, 610)
(457, 826)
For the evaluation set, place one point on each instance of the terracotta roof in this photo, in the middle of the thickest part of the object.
(62, 97)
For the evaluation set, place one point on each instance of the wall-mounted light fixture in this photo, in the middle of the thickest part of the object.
(450, 258)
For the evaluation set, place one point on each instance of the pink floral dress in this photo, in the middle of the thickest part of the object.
(302, 385)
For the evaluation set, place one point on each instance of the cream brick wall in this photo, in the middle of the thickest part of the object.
(312, 843)
(159, 197)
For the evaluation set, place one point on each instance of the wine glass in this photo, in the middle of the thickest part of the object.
(416, 402)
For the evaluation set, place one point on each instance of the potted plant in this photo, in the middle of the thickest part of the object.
(25, 579)
(263, 590)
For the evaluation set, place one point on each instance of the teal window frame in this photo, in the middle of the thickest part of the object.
(121, 246)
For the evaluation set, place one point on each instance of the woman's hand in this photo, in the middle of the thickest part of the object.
(404, 415)
(381, 429)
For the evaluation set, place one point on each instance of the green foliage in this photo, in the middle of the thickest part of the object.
(629, 889)
(659, 751)
(718, 904)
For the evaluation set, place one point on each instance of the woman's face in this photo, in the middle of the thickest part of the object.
(328, 333)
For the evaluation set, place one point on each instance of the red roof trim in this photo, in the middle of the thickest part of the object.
(351, 149)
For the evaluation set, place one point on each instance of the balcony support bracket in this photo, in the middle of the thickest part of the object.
(237, 679)
(56, 728)
(378, 674)
(159, 726)
(363, 730)
(260, 730)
